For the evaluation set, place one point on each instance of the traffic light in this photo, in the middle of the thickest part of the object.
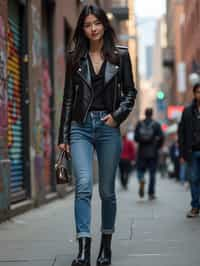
(160, 95)
(160, 101)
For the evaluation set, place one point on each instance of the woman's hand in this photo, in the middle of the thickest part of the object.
(64, 147)
(109, 121)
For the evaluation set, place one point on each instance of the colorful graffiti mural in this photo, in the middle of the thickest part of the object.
(15, 120)
(3, 94)
(38, 141)
(14, 80)
(42, 127)
(37, 129)
(46, 121)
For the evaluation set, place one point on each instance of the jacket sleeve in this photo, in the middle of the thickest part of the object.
(66, 110)
(128, 90)
(181, 129)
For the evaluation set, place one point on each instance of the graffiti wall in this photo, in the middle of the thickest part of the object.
(38, 142)
(46, 121)
(37, 130)
(3, 94)
(4, 162)
(3, 98)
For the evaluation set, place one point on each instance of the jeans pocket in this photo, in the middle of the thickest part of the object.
(115, 127)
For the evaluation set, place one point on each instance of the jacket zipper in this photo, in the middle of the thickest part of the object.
(76, 95)
(89, 105)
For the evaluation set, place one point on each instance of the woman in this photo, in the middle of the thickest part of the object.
(99, 94)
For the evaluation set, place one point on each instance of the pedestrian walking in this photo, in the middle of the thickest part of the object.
(189, 145)
(174, 156)
(149, 135)
(127, 160)
(98, 74)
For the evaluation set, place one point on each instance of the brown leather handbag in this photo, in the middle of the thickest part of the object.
(62, 172)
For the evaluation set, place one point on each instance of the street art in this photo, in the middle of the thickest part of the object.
(38, 141)
(37, 129)
(15, 127)
(3, 94)
(36, 43)
(46, 118)
(3, 102)
(46, 112)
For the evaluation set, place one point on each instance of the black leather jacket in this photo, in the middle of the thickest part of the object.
(78, 92)
(186, 132)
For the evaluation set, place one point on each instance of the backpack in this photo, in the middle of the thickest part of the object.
(146, 131)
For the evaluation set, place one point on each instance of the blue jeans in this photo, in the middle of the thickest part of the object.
(194, 177)
(151, 165)
(84, 138)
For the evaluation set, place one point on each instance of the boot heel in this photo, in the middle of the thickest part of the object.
(105, 253)
(83, 258)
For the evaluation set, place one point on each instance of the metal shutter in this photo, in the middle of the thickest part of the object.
(15, 121)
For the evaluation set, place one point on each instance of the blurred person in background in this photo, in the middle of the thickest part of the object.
(97, 73)
(175, 156)
(189, 144)
(150, 138)
(162, 162)
(127, 160)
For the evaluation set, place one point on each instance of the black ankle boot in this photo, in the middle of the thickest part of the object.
(105, 253)
(83, 258)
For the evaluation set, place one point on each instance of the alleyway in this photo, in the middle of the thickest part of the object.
(147, 233)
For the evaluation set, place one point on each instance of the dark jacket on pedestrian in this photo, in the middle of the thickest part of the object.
(119, 96)
(148, 149)
(189, 132)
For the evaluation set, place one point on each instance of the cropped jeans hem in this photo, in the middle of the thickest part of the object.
(107, 231)
(82, 234)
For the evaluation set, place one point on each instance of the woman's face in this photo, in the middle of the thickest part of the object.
(93, 28)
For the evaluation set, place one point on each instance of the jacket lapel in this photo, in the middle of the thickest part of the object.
(110, 71)
(84, 71)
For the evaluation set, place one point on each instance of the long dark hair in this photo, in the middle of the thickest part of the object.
(81, 42)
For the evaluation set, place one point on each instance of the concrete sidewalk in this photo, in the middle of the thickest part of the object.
(148, 233)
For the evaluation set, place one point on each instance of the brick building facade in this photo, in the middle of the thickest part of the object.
(183, 26)
(191, 38)
(175, 24)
